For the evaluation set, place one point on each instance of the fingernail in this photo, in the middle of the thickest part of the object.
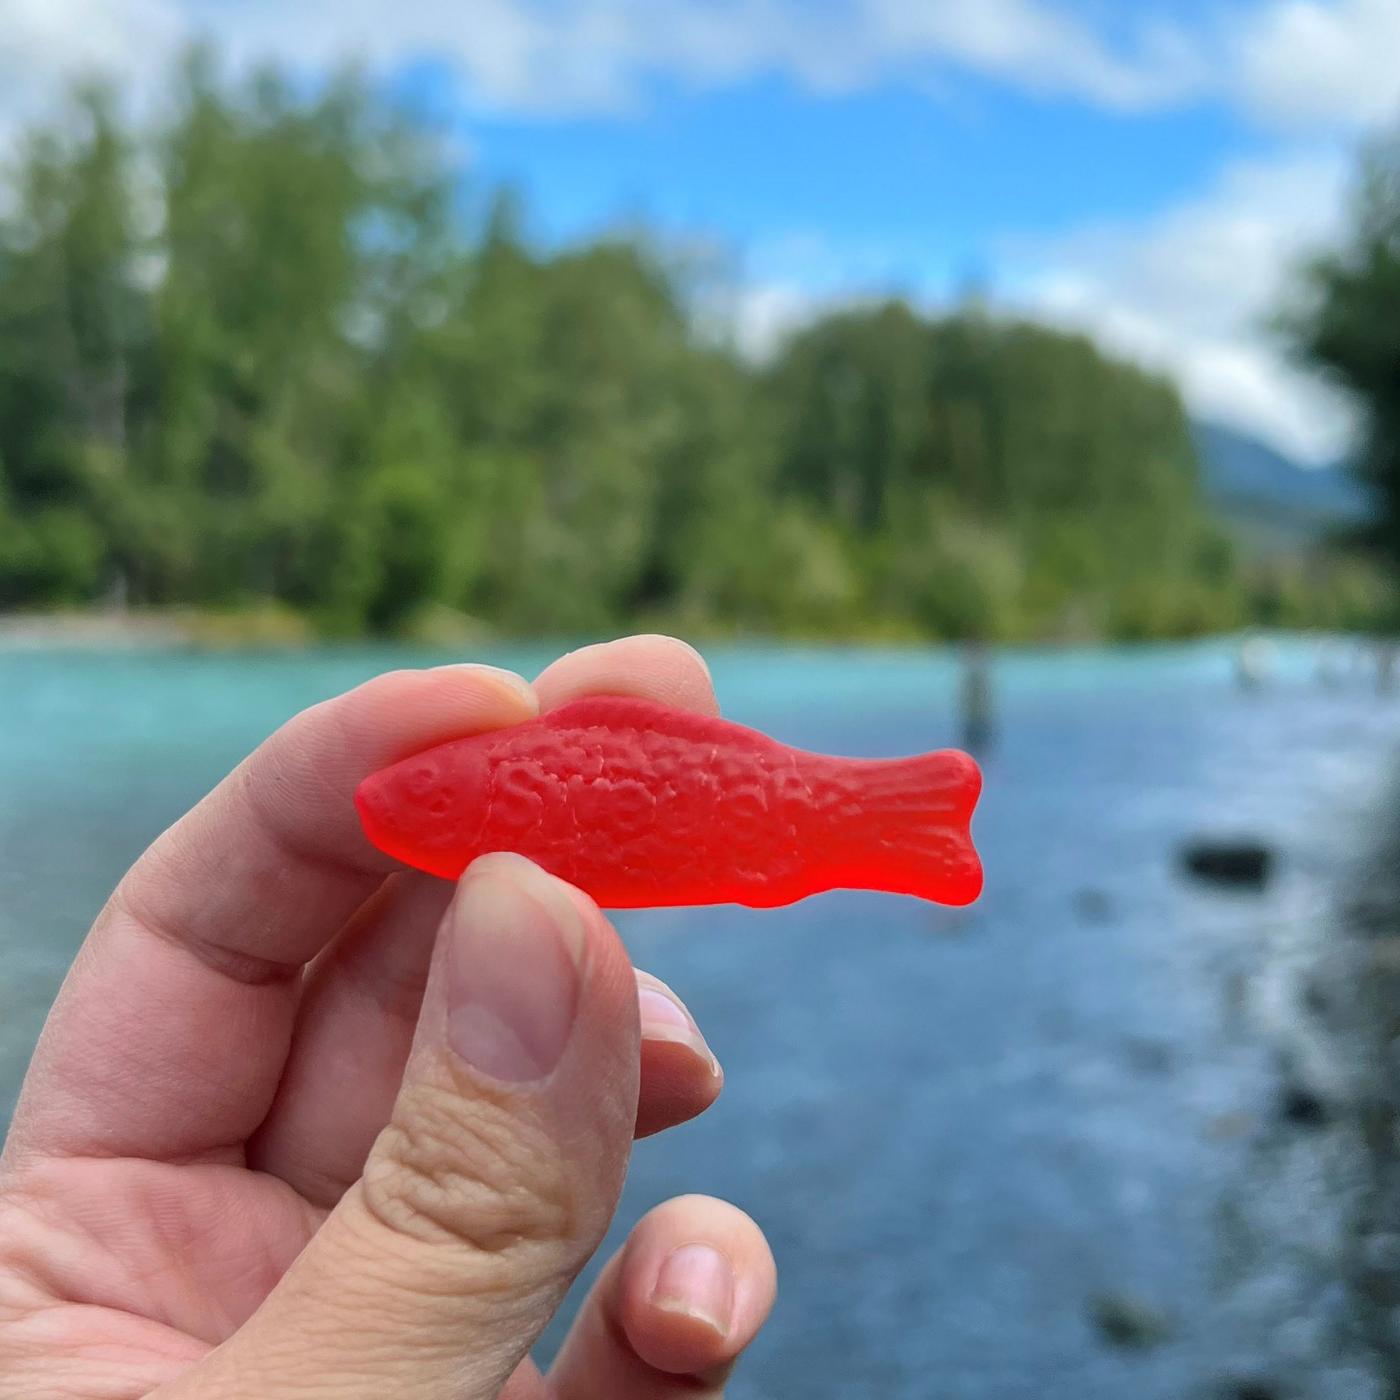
(697, 1281)
(513, 969)
(664, 1018)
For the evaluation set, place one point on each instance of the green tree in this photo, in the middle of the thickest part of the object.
(1006, 478)
(264, 352)
(72, 338)
(1346, 320)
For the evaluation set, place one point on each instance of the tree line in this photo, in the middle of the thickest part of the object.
(1344, 319)
(267, 349)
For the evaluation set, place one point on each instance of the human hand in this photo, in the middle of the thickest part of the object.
(303, 1126)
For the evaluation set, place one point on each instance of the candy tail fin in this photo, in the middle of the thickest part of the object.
(921, 809)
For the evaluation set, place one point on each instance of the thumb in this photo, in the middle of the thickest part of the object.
(493, 1183)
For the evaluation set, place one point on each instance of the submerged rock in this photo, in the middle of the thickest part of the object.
(1249, 1388)
(1129, 1322)
(1148, 1057)
(1303, 1108)
(1093, 906)
(1243, 863)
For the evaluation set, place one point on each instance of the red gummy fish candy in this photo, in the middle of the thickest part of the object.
(640, 805)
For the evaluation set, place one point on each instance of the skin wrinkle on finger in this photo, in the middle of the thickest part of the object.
(109, 1248)
(495, 1192)
(78, 1353)
(245, 968)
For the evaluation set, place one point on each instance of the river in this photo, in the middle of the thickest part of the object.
(1049, 1147)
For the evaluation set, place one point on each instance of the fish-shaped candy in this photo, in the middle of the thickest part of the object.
(640, 805)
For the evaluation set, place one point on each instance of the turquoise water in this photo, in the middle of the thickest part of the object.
(962, 1130)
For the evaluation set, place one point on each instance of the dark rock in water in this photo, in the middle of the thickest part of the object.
(1147, 1056)
(1245, 864)
(1384, 954)
(1313, 998)
(1129, 1322)
(1249, 1388)
(1371, 914)
(1303, 1108)
(1093, 906)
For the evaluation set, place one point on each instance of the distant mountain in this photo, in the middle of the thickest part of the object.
(1269, 497)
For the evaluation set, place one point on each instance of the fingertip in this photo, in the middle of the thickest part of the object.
(677, 1085)
(568, 905)
(681, 1077)
(602, 954)
(698, 1282)
(666, 1020)
(652, 667)
(585, 903)
(689, 651)
(391, 716)
(512, 686)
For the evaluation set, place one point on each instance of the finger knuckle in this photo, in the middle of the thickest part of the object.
(473, 1174)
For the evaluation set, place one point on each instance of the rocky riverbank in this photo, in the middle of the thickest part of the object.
(115, 629)
(1366, 1019)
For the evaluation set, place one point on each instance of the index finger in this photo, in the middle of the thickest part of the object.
(169, 1034)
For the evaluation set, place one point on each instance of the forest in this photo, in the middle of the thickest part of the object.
(272, 351)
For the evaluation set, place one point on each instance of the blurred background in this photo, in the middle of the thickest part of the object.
(1020, 373)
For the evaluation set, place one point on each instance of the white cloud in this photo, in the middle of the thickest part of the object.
(1292, 62)
(764, 314)
(571, 55)
(1191, 292)
(47, 44)
(513, 54)
(1311, 63)
(1040, 47)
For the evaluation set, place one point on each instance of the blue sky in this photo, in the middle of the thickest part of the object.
(1149, 170)
(917, 185)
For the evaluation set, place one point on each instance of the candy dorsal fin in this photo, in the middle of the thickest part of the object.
(632, 712)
